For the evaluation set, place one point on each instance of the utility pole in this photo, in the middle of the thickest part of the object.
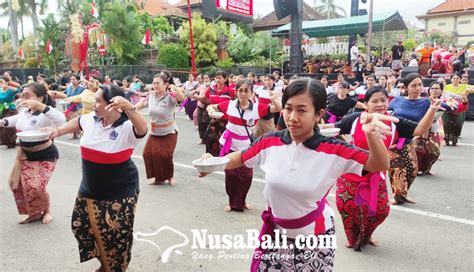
(369, 40)
(296, 56)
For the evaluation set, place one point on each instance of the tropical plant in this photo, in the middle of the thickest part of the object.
(122, 25)
(34, 7)
(173, 56)
(31, 63)
(330, 10)
(205, 38)
(226, 63)
(11, 11)
(439, 37)
(55, 32)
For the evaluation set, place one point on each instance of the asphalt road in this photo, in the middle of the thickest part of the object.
(436, 234)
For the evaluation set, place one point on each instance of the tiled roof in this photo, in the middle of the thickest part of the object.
(452, 6)
(270, 20)
(161, 8)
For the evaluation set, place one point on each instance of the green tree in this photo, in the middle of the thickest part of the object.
(55, 32)
(205, 38)
(173, 56)
(330, 10)
(122, 25)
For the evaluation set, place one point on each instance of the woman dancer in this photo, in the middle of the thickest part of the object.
(428, 145)
(104, 211)
(7, 108)
(202, 117)
(243, 115)
(454, 120)
(220, 92)
(35, 161)
(362, 201)
(160, 146)
(403, 161)
(299, 165)
(340, 103)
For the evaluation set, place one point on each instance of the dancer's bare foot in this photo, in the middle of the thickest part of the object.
(430, 173)
(395, 202)
(47, 218)
(248, 206)
(172, 182)
(157, 182)
(373, 242)
(348, 245)
(410, 200)
(227, 208)
(33, 218)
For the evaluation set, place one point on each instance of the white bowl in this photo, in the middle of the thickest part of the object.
(33, 135)
(330, 132)
(209, 165)
(216, 115)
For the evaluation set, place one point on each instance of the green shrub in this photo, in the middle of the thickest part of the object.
(173, 56)
(31, 63)
(226, 63)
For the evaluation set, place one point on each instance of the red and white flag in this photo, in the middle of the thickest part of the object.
(20, 53)
(94, 10)
(49, 47)
(147, 37)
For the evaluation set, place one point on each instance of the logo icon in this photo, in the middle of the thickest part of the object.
(166, 254)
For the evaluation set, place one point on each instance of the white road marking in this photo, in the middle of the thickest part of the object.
(463, 144)
(398, 208)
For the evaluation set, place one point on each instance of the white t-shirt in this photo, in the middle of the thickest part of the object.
(354, 53)
(297, 176)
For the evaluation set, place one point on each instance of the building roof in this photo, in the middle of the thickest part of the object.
(270, 20)
(382, 21)
(161, 8)
(452, 6)
(184, 3)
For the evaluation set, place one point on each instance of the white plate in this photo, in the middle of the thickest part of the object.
(33, 135)
(216, 115)
(209, 165)
(330, 132)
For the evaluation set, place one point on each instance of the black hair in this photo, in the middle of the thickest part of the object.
(6, 79)
(42, 75)
(244, 81)
(278, 72)
(373, 90)
(251, 73)
(315, 89)
(65, 70)
(340, 74)
(382, 76)
(456, 74)
(270, 76)
(54, 86)
(48, 81)
(325, 76)
(441, 86)
(223, 74)
(166, 76)
(409, 78)
(41, 91)
(76, 77)
(111, 91)
(344, 85)
(128, 79)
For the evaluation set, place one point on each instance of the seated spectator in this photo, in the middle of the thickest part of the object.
(439, 67)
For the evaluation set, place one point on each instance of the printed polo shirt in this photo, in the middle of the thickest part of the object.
(236, 125)
(108, 173)
(297, 176)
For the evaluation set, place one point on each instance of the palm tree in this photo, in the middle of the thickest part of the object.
(33, 6)
(330, 9)
(13, 25)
